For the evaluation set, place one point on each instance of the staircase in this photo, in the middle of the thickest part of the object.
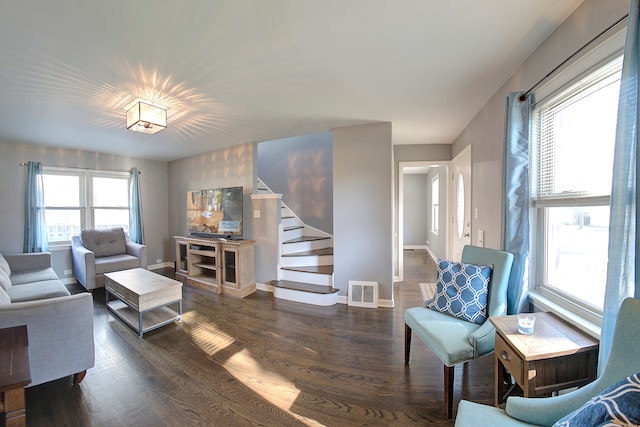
(306, 261)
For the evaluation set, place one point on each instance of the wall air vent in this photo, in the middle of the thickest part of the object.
(363, 294)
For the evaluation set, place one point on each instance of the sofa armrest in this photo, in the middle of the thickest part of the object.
(60, 333)
(84, 264)
(138, 251)
(31, 261)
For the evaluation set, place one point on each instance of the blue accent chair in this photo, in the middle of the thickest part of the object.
(455, 340)
(624, 360)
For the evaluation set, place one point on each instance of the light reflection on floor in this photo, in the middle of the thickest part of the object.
(272, 387)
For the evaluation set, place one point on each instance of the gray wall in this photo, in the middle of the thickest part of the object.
(362, 206)
(301, 169)
(486, 131)
(266, 235)
(417, 209)
(228, 167)
(153, 180)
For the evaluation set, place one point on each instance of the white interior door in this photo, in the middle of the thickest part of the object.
(461, 203)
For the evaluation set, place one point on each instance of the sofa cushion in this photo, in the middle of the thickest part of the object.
(616, 405)
(4, 297)
(37, 291)
(4, 265)
(105, 242)
(116, 263)
(31, 276)
(461, 290)
(5, 281)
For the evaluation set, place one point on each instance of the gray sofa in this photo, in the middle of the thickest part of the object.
(96, 252)
(59, 325)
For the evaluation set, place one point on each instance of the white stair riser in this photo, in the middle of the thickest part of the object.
(301, 261)
(292, 234)
(301, 276)
(306, 297)
(290, 222)
(290, 248)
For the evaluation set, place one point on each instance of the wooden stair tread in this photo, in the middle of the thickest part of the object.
(293, 227)
(303, 287)
(316, 269)
(316, 252)
(305, 239)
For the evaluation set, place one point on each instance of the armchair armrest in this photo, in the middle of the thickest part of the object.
(483, 339)
(138, 251)
(84, 264)
(26, 262)
(60, 333)
(547, 411)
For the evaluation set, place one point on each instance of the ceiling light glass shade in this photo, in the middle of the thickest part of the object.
(146, 118)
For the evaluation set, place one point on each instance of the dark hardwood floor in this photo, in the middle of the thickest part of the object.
(262, 361)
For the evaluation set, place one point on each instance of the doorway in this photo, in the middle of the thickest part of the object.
(419, 213)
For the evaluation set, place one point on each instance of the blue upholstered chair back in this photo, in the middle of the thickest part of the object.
(502, 262)
(624, 358)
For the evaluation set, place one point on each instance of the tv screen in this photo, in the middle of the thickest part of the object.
(215, 212)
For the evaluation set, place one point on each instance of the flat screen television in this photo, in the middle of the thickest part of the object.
(215, 212)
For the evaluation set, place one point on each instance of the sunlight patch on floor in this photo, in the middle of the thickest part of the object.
(272, 387)
(206, 335)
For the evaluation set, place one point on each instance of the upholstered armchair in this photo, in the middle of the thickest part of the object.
(624, 361)
(96, 252)
(455, 340)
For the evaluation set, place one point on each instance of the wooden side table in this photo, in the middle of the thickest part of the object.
(15, 374)
(555, 357)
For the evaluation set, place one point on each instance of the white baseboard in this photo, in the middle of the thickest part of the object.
(432, 255)
(264, 287)
(414, 247)
(161, 265)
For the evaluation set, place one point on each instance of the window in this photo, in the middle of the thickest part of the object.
(80, 199)
(435, 204)
(573, 138)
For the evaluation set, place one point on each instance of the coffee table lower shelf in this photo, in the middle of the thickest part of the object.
(152, 319)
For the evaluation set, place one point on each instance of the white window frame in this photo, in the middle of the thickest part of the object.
(86, 207)
(435, 204)
(544, 299)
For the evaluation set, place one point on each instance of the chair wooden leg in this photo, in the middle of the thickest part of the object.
(448, 389)
(78, 377)
(407, 343)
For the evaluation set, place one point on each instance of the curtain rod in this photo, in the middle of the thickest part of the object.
(85, 169)
(522, 97)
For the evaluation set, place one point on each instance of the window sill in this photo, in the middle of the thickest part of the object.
(59, 247)
(543, 303)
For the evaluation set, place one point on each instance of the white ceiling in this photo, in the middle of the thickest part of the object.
(236, 71)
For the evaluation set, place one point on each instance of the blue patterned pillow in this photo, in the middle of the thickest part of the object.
(461, 290)
(617, 405)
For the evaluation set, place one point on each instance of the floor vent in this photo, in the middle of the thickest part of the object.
(363, 294)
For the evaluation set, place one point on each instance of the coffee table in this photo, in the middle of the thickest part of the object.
(143, 298)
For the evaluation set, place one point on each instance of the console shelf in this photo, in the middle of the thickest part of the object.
(216, 265)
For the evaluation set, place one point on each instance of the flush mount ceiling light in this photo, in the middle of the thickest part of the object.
(146, 118)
